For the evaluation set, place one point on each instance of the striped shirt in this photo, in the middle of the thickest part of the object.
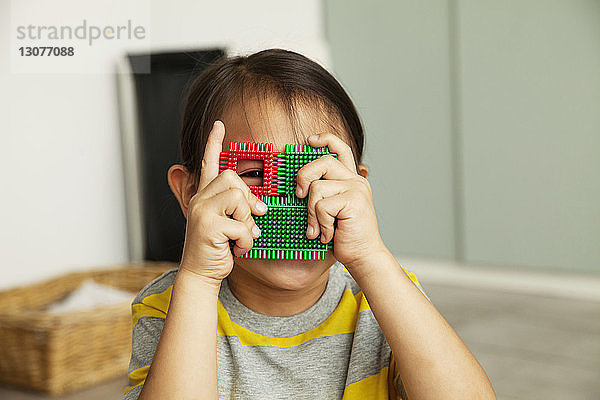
(333, 350)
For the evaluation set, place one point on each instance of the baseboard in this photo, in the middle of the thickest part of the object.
(543, 283)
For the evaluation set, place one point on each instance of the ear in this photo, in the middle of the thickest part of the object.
(363, 170)
(182, 185)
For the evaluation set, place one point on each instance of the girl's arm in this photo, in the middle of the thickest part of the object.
(433, 361)
(185, 362)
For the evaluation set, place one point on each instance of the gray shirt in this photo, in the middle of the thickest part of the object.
(333, 350)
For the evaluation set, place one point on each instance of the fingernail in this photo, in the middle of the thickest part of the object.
(309, 231)
(313, 137)
(256, 231)
(299, 191)
(262, 207)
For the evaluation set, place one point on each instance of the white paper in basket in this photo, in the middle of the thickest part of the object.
(90, 295)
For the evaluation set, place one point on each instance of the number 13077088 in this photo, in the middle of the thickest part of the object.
(48, 51)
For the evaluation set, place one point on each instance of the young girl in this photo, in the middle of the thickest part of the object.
(235, 328)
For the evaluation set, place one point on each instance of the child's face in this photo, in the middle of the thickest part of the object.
(273, 126)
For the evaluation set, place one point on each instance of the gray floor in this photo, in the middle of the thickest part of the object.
(532, 347)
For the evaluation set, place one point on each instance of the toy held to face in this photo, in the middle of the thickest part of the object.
(283, 227)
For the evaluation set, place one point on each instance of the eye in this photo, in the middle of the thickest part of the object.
(251, 171)
(253, 174)
(253, 178)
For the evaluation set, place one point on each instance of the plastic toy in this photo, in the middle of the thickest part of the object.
(283, 227)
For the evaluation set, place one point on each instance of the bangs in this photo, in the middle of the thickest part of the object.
(306, 113)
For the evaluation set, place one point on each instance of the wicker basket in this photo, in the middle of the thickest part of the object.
(57, 353)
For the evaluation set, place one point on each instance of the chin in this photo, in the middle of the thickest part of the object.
(285, 274)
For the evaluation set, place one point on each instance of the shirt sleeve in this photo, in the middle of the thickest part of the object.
(147, 322)
(414, 279)
(395, 383)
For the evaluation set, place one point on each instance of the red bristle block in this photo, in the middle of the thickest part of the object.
(254, 151)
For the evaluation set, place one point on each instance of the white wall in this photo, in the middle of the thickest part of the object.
(62, 206)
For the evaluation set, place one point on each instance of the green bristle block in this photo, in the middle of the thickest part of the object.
(283, 232)
(294, 158)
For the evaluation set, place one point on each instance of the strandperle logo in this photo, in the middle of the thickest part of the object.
(90, 33)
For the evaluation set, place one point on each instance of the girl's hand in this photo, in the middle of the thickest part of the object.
(343, 195)
(209, 228)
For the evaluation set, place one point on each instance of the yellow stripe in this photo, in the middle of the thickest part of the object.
(130, 388)
(373, 387)
(412, 276)
(160, 301)
(343, 320)
(154, 305)
(157, 305)
(141, 310)
(137, 377)
(362, 301)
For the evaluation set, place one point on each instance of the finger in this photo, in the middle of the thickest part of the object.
(325, 166)
(212, 151)
(238, 231)
(327, 210)
(229, 179)
(320, 190)
(335, 144)
(232, 202)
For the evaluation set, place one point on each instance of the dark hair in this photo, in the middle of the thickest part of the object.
(291, 77)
